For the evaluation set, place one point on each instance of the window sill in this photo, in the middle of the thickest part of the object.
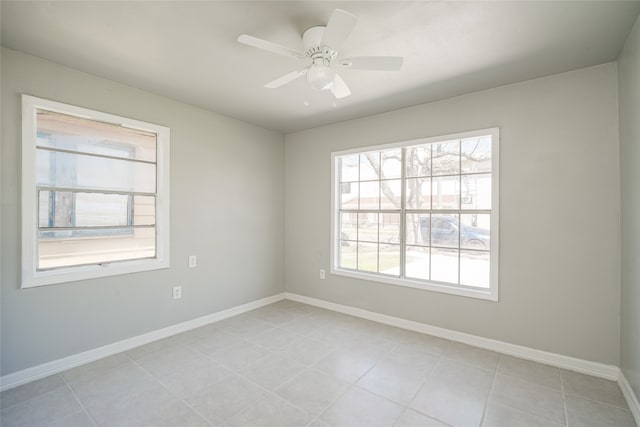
(479, 293)
(93, 271)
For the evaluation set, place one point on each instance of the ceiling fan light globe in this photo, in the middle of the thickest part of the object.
(320, 77)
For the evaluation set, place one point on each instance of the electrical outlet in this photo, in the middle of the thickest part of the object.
(177, 292)
(193, 261)
(322, 274)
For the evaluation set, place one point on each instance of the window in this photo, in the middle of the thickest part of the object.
(420, 213)
(95, 194)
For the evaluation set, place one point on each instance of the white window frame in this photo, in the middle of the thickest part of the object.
(31, 276)
(468, 291)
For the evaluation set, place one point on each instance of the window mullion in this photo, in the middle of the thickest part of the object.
(403, 222)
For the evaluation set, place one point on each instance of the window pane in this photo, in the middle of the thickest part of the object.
(56, 169)
(475, 231)
(94, 209)
(417, 229)
(391, 165)
(370, 195)
(348, 226)
(55, 209)
(389, 259)
(369, 166)
(476, 191)
(474, 268)
(349, 195)
(348, 255)
(390, 194)
(446, 158)
(368, 257)
(444, 230)
(418, 160)
(446, 192)
(418, 193)
(349, 168)
(476, 154)
(368, 227)
(69, 209)
(62, 131)
(444, 265)
(389, 231)
(417, 262)
(62, 249)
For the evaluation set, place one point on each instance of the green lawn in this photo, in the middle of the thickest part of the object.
(368, 260)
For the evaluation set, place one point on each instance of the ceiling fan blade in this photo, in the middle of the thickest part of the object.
(338, 29)
(269, 46)
(339, 87)
(287, 78)
(377, 63)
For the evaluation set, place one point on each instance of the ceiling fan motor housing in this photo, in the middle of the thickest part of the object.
(312, 43)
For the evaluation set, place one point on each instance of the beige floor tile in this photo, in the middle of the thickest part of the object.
(498, 415)
(190, 378)
(97, 368)
(221, 401)
(77, 419)
(275, 339)
(411, 418)
(588, 413)
(599, 389)
(479, 357)
(30, 390)
(244, 326)
(164, 362)
(319, 423)
(538, 373)
(239, 357)
(273, 371)
(42, 409)
(455, 393)
(312, 391)
(271, 411)
(127, 378)
(133, 408)
(418, 359)
(214, 341)
(159, 345)
(425, 343)
(396, 381)
(305, 351)
(175, 414)
(529, 397)
(346, 365)
(359, 408)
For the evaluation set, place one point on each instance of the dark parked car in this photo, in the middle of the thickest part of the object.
(446, 229)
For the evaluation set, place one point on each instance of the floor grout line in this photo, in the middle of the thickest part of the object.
(86, 411)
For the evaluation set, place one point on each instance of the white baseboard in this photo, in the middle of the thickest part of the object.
(630, 395)
(601, 370)
(40, 371)
(592, 368)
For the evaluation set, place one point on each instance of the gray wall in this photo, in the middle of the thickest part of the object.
(629, 92)
(227, 207)
(559, 194)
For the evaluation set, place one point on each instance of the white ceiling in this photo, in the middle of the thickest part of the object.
(188, 50)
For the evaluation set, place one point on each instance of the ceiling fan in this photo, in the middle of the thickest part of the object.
(321, 45)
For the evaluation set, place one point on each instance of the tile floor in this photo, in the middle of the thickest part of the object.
(290, 364)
